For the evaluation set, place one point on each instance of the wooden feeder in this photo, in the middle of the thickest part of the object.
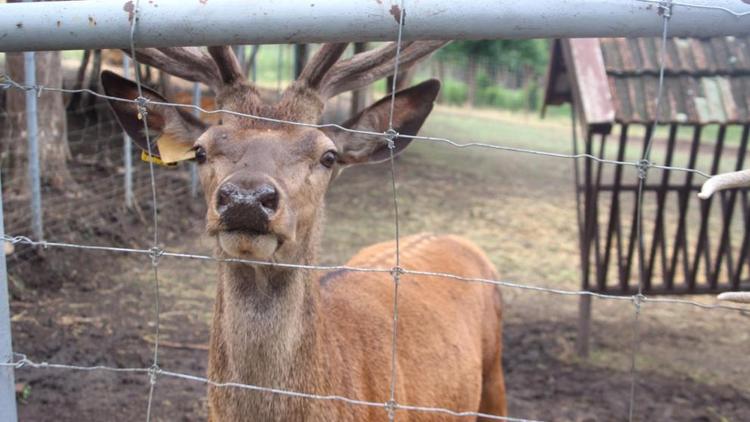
(690, 246)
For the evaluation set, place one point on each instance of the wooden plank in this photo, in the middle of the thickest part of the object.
(589, 79)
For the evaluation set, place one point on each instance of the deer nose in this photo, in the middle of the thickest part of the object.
(249, 209)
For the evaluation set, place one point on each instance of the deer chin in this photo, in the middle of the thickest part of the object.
(246, 245)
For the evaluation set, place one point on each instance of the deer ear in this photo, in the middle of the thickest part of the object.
(172, 130)
(411, 108)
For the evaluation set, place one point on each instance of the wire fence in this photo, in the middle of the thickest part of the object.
(154, 372)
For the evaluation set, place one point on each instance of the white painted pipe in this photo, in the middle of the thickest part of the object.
(61, 25)
(735, 179)
(739, 297)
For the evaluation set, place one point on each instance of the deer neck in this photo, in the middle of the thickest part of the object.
(267, 330)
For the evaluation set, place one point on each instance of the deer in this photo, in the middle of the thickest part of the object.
(299, 328)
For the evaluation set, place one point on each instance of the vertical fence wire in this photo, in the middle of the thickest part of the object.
(391, 138)
(194, 166)
(155, 250)
(665, 10)
(127, 146)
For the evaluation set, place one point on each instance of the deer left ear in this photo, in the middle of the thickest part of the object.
(411, 108)
(172, 131)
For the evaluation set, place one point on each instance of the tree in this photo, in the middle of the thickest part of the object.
(52, 128)
(514, 54)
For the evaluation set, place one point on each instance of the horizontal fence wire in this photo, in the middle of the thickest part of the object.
(6, 82)
(391, 406)
(24, 362)
(24, 240)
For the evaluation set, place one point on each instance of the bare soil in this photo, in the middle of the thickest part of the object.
(692, 364)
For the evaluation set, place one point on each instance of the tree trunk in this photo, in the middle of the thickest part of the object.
(300, 58)
(360, 97)
(75, 98)
(52, 130)
(441, 77)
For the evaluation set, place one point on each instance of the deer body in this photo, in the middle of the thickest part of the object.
(332, 335)
(301, 330)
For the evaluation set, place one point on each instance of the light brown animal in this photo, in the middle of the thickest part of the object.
(297, 329)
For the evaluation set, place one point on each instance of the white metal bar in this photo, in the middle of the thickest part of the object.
(7, 384)
(32, 139)
(61, 25)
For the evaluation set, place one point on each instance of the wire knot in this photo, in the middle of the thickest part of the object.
(155, 253)
(390, 136)
(390, 407)
(638, 300)
(5, 81)
(643, 166)
(396, 272)
(153, 371)
(21, 363)
(141, 103)
(665, 9)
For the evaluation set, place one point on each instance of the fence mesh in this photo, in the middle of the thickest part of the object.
(106, 152)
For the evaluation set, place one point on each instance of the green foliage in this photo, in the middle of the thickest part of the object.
(454, 92)
(509, 53)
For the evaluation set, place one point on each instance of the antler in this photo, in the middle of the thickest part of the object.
(324, 76)
(217, 68)
(189, 63)
(365, 68)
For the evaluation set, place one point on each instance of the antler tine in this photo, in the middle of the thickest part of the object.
(189, 63)
(317, 67)
(365, 68)
(227, 63)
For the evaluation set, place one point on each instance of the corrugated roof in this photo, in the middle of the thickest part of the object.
(705, 80)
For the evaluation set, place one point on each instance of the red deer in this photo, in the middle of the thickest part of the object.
(295, 328)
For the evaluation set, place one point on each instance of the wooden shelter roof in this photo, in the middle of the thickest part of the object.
(615, 80)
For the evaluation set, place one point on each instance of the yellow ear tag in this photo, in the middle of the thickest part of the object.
(173, 151)
(156, 160)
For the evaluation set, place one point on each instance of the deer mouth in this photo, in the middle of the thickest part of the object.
(246, 244)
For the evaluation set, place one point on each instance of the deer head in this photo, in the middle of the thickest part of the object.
(264, 182)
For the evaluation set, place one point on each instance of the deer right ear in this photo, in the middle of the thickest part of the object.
(410, 109)
(171, 130)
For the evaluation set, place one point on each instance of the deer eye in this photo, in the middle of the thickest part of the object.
(329, 159)
(200, 154)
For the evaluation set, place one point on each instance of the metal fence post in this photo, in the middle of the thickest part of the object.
(7, 384)
(32, 132)
(127, 146)
(193, 166)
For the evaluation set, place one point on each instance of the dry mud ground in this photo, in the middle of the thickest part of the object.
(692, 363)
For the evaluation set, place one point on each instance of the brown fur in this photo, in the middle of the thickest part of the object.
(300, 330)
(335, 337)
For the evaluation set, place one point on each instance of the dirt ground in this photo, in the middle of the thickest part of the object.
(692, 363)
